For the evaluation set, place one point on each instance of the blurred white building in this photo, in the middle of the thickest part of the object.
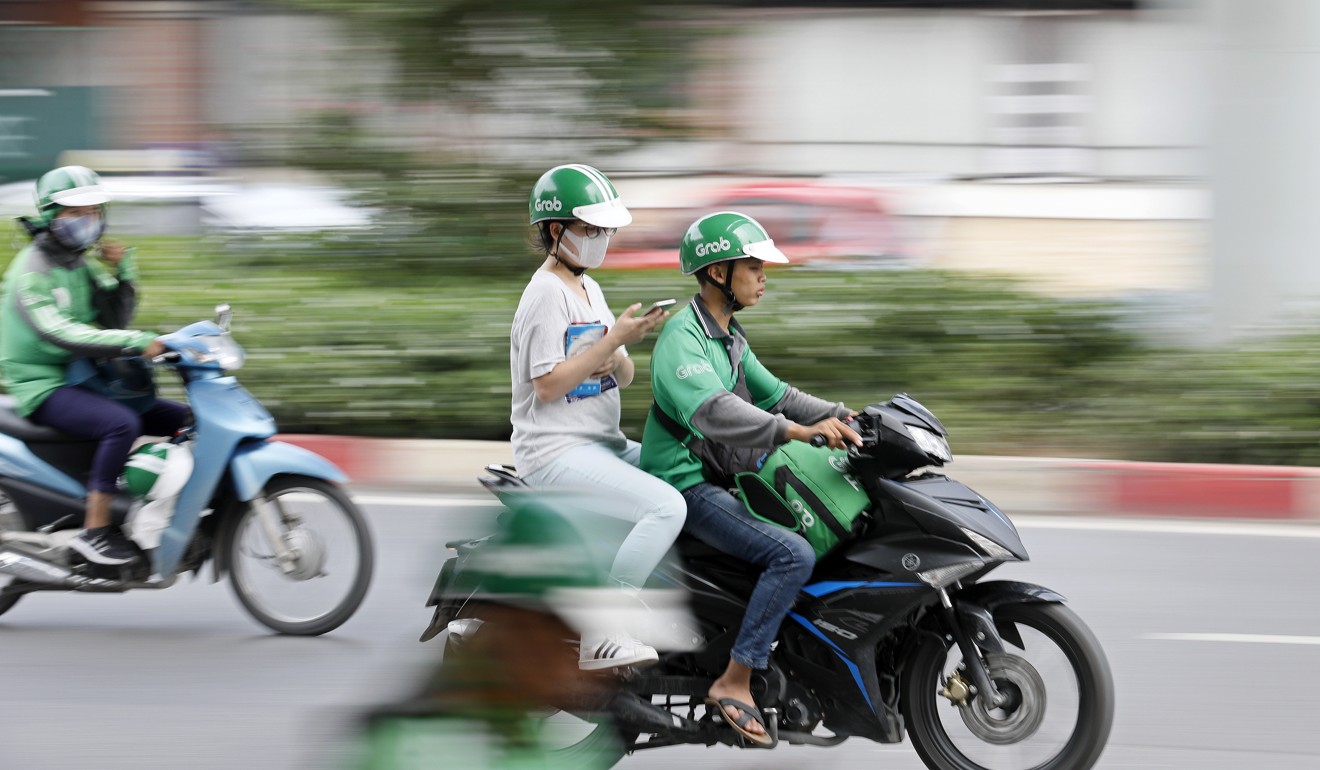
(1101, 89)
(1139, 92)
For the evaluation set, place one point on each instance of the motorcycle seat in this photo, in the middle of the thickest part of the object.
(689, 547)
(11, 424)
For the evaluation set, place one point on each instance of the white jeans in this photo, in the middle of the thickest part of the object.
(599, 480)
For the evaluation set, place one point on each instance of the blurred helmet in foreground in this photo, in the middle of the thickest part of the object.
(536, 560)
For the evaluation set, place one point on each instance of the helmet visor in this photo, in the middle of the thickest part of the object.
(90, 195)
(766, 251)
(610, 213)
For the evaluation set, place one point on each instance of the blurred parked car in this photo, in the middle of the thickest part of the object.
(811, 222)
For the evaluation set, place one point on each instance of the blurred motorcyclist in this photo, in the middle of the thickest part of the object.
(536, 585)
(711, 392)
(59, 306)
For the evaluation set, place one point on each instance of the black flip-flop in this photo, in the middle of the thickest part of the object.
(749, 713)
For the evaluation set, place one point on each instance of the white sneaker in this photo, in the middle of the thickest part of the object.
(600, 653)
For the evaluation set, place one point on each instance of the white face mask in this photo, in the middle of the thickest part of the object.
(590, 251)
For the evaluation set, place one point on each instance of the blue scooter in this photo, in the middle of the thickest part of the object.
(270, 515)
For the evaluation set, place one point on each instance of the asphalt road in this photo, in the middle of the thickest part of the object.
(1211, 630)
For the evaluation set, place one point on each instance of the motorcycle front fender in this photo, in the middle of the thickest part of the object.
(258, 462)
(996, 593)
(977, 604)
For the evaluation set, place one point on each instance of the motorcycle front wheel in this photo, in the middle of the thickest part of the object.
(1059, 688)
(325, 579)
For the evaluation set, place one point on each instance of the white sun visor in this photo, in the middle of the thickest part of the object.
(610, 213)
(91, 195)
(766, 251)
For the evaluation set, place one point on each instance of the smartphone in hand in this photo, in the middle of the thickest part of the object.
(659, 305)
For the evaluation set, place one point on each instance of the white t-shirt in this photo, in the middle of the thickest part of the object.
(542, 431)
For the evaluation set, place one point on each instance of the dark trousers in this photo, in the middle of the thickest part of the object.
(89, 415)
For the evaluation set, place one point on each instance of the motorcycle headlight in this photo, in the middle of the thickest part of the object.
(932, 444)
(989, 547)
(942, 577)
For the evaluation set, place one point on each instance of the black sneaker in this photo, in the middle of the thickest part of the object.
(101, 547)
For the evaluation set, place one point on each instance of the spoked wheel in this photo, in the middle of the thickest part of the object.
(329, 564)
(1059, 698)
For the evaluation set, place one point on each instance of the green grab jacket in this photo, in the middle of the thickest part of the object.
(59, 306)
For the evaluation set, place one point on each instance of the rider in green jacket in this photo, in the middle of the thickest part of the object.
(59, 306)
(709, 386)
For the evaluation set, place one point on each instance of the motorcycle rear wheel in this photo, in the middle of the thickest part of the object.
(328, 581)
(1062, 662)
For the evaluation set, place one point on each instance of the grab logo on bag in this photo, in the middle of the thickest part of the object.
(841, 465)
(805, 516)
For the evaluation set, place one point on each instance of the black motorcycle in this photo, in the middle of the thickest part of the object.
(895, 633)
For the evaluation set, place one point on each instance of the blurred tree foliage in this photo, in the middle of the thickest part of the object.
(577, 79)
(614, 65)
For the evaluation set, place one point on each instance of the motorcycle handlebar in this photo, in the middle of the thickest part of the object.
(819, 440)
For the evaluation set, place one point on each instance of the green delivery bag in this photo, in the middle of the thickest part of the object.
(808, 490)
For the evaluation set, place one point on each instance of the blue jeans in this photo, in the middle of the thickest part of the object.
(598, 479)
(721, 521)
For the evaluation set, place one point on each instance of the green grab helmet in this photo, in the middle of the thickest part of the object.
(158, 470)
(577, 191)
(723, 236)
(534, 551)
(67, 186)
(538, 561)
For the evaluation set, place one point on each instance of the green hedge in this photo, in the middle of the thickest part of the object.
(1010, 372)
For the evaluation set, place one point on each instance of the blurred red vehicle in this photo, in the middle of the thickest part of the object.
(811, 222)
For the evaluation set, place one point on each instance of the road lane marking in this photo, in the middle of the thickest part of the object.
(425, 501)
(1237, 638)
(1170, 526)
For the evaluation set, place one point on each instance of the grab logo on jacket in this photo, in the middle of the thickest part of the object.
(61, 297)
(691, 370)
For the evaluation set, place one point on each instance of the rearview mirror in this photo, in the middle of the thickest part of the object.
(223, 314)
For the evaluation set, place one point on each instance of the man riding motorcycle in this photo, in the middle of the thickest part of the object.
(711, 391)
